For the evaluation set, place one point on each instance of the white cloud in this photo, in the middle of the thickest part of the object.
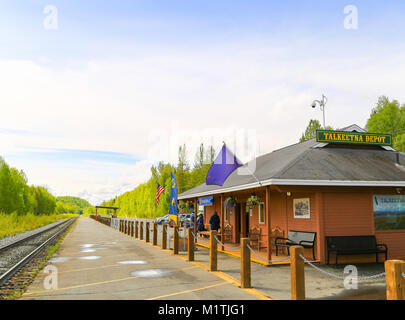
(117, 105)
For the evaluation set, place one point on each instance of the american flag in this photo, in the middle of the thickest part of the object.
(159, 191)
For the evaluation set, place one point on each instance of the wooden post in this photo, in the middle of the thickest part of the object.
(132, 228)
(195, 217)
(136, 229)
(222, 221)
(320, 233)
(245, 272)
(394, 279)
(213, 251)
(120, 228)
(297, 273)
(154, 240)
(126, 227)
(164, 236)
(243, 220)
(190, 246)
(175, 240)
(267, 219)
(141, 231)
(147, 231)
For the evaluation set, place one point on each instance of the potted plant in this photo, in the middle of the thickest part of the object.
(230, 202)
(253, 200)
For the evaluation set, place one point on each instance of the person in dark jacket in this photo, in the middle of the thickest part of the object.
(214, 221)
(200, 223)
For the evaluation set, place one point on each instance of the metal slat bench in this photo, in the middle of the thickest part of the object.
(297, 238)
(353, 245)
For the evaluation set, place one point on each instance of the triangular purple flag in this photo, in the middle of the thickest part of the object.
(225, 163)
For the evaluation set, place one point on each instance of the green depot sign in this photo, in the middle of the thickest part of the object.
(345, 137)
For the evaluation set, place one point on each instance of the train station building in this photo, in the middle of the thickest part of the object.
(341, 183)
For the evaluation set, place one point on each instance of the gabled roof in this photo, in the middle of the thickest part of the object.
(308, 164)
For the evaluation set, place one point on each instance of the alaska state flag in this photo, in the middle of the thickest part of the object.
(225, 163)
(173, 196)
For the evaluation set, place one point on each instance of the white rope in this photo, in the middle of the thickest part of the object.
(201, 239)
(341, 277)
(229, 248)
(269, 261)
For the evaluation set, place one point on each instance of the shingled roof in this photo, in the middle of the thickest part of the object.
(312, 163)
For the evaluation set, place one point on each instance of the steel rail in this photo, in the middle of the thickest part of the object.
(18, 242)
(16, 267)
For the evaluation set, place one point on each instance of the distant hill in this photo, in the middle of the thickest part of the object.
(81, 203)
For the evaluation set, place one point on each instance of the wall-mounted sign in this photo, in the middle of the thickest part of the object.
(302, 209)
(365, 138)
(206, 201)
(389, 212)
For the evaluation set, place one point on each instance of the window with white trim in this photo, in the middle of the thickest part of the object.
(226, 218)
(262, 218)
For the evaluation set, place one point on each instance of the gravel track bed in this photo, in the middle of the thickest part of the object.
(11, 256)
(9, 240)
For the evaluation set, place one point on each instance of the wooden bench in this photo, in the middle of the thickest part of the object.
(255, 237)
(297, 238)
(352, 245)
(206, 232)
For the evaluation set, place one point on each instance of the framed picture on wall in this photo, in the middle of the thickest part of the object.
(302, 209)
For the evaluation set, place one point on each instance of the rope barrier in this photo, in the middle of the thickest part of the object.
(201, 239)
(229, 248)
(269, 261)
(341, 277)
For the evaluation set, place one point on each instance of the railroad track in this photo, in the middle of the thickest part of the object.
(14, 256)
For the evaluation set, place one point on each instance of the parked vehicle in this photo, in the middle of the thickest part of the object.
(165, 220)
(160, 219)
(185, 220)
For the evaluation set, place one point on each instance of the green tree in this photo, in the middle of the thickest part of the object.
(310, 131)
(389, 117)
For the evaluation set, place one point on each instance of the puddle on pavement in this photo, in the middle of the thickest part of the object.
(59, 259)
(87, 245)
(88, 250)
(152, 273)
(132, 262)
(89, 258)
(92, 249)
(110, 242)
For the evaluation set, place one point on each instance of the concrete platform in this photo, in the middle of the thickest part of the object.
(91, 266)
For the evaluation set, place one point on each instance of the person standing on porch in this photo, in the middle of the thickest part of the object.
(215, 221)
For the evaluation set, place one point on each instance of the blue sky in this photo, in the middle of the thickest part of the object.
(83, 105)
